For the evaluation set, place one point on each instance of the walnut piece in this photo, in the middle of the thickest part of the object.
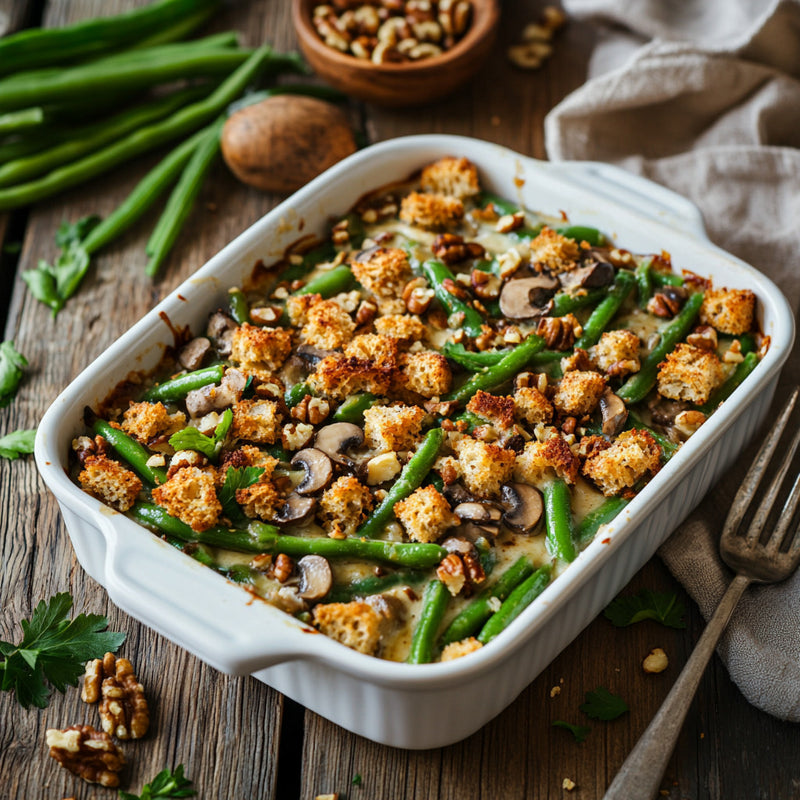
(123, 706)
(87, 753)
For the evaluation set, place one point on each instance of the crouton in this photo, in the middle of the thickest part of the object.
(426, 373)
(633, 456)
(248, 455)
(260, 500)
(190, 495)
(404, 327)
(328, 326)
(256, 421)
(147, 422)
(498, 411)
(384, 271)
(554, 252)
(431, 211)
(343, 507)
(338, 377)
(578, 393)
(454, 177)
(298, 305)
(484, 467)
(355, 624)
(689, 373)
(539, 461)
(531, 406)
(395, 427)
(459, 649)
(728, 310)
(373, 347)
(110, 482)
(260, 351)
(425, 515)
(617, 353)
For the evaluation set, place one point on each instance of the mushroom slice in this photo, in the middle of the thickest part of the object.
(191, 355)
(482, 514)
(456, 544)
(312, 355)
(220, 331)
(335, 439)
(316, 578)
(526, 297)
(295, 509)
(524, 506)
(318, 469)
(592, 275)
(613, 412)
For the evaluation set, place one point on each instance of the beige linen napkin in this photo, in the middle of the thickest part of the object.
(703, 96)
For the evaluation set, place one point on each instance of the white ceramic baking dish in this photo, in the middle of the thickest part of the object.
(398, 704)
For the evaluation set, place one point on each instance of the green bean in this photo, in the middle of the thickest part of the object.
(666, 279)
(502, 372)
(558, 519)
(178, 388)
(131, 451)
(317, 255)
(434, 604)
(182, 199)
(145, 139)
(294, 394)
(374, 584)
(331, 282)
(352, 409)
(21, 120)
(668, 447)
(176, 31)
(734, 380)
(515, 604)
(564, 303)
(747, 343)
(479, 609)
(226, 40)
(412, 475)
(638, 385)
(644, 281)
(583, 233)
(477, 361)
(602, 515)
(199, 552)
(472, 420)
(437, 274)
(604, 313)
(238, 306)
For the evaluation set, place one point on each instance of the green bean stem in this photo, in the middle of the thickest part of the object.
(515, 604)
(178, 388)
(558, 520)
(21, 120)
(331, 282)
(602, 515)
(128, 449)
(603, 314)
(723, 392)
(434, 604)
(437, 274)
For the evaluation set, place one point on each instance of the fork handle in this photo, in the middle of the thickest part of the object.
(640, 776)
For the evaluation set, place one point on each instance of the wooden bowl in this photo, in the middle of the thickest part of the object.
(408, 83)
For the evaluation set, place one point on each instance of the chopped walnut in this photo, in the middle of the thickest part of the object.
(452, 249)
(559, 332)
(87, 753)
(123, 706)
(460, 571)
(282, 568)
(417, 296)
(312, 410)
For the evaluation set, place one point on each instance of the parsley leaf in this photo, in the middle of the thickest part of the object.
(165, 785)
(580, 732)
(663, 607)
(17, 443)
(12, 365)
(210, 446)
(602, 704)
(237, 478)
(53, 648)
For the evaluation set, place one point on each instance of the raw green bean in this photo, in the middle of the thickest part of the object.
(602, 515)
(331, 282)
(294, 394)
(515, 604)
(374, 584)
(238, 306)
(478, 610)
(638, 385)
(352, 409)
(411, 477)
(502, 372)
(644, 281)
(182, 199)
(178, 388)
(21, 120)
(604, 313)
(558, 519)
(176, 31)
(131, 451)
(437, 274)
(723, 392)
(564, 303)
(434, 604)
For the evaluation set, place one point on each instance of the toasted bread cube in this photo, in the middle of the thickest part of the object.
(431, 211)
(617, 353)
(110, 482)
(454, 177)
(256, 420)
(425, 514)
(538, 461)
(427, 373)
(355, 624)
(147, 422)
(458, 649)
(554, 252)
(338, 377)
(191, 496)
(728, 310)
(298, 306)
(498, 411)
(404, 327)
(633, 456)
(344, 506)
(395, 427)
(373, 347)
(328, 326)
(578, 393)
(384, 271)
(248, 455)
(260, 350)
(689, 373)
(483, 466)
(260, 500)
(532, 406)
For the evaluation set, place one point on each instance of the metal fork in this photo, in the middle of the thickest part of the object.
(775, 560)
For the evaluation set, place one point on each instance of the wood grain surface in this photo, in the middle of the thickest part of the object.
(238, 738)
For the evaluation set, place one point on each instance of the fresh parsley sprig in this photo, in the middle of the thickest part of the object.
(663, 607)
(580, 732)
(210, 446)
(12, 368)
(17, 443)
(165, 785)
(603, 704)
(54, 649)
(237, 478)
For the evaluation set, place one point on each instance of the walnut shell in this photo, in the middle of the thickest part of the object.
(281, 143)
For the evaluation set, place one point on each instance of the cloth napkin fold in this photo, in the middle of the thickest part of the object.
(703, 96)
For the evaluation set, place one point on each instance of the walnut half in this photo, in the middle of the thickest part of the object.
(87, 753)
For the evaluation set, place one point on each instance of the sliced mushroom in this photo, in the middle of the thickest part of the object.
(482, 514)
(316, 577)
(311, 355)
(456, 493)
(295, 509)
(526, 297)
(318, 469)
(220, 331)
(335, 439)
(206, 399)
(613, 412)
(592, 275)
(192, 354)
(456, 544)
(524, 506)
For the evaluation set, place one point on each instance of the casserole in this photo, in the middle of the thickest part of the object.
(392, 703)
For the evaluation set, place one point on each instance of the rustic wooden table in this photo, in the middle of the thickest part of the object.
(238, 738)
